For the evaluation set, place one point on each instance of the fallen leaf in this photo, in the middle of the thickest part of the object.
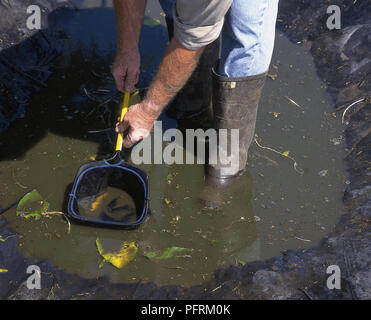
(272, 76)
(286, 153)
(32, 205)
(151, 22)
(3, 270)
(99, 246)
(119, 260)
(35, 214)
(165, 254)
(32, 196)
(171, 204)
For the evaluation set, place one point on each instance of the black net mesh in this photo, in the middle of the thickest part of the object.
(109, 193)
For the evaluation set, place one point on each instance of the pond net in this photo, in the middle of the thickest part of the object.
(109, 195)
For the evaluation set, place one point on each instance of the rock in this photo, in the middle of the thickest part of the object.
(271, 285)
(362, 284)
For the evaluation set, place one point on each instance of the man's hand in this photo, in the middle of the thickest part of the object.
(126, 68)
(175, 68)
(137, 123)
(129, 17)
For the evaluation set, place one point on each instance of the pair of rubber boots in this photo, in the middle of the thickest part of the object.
(234, 105)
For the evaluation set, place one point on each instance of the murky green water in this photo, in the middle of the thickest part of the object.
(270, 209)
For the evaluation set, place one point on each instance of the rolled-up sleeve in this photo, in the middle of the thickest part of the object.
(198, 22)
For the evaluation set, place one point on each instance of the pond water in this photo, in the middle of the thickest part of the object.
(273, 207)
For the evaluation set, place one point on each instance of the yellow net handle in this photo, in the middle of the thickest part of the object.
(125, 106)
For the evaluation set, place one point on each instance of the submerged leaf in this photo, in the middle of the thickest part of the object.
(35, 214)
(102, 263)
(2, 239)
(120, 259)
(32, 196)
(3, 270)
(32, 205)
(151, 22)
(151, 255)
(165, 254)
(99, 246)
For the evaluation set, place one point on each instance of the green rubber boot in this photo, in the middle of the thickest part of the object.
(235, 106)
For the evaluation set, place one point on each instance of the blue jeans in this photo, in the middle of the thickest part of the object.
(247, 36)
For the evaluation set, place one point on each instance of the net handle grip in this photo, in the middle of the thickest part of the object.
(125, 106)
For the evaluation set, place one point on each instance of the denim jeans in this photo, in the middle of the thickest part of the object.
(247, 36)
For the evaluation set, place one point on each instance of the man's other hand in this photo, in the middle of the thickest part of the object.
(137, 123)
(126, 68)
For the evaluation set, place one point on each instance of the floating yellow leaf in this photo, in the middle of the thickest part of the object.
(272, 76)
(286, 153)
(120, 259)
(3, 270)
